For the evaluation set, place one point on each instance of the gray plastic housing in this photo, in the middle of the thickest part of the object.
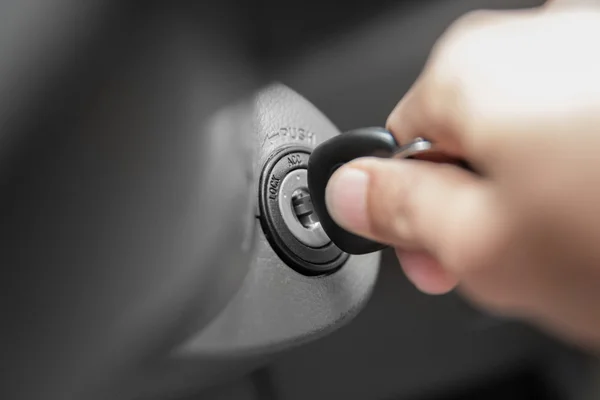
(277, 307)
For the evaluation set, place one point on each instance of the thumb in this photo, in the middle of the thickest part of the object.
(412, 205)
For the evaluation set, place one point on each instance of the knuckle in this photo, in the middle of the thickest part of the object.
(454, 103)
(475, 18)
(445, 102)
(458, 41)
(474, 23)
(459, 53)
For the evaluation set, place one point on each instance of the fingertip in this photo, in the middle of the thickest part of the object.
(426, 273)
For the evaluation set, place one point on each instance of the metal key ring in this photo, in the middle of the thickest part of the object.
(424, 150)
(414, 148)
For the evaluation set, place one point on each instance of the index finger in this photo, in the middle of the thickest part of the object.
(426, 111)
(434, 107)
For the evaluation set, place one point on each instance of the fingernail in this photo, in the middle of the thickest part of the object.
(346, 198)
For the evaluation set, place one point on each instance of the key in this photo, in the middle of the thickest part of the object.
(332, 154)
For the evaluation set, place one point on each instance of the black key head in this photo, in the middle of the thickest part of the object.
(331, 155)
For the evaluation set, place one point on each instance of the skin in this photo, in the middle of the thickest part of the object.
(517, 95)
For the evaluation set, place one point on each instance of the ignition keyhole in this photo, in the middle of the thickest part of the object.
(289, 219)
(303, 208)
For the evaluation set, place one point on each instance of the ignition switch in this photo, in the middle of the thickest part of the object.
(288, 218)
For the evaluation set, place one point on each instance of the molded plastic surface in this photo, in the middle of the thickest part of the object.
(277, 307)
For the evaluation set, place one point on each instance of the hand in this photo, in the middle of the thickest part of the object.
(517, 95)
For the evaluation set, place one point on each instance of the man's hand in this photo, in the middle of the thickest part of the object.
(517, 95)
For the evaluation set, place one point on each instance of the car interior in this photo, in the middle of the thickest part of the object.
(140, 261)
